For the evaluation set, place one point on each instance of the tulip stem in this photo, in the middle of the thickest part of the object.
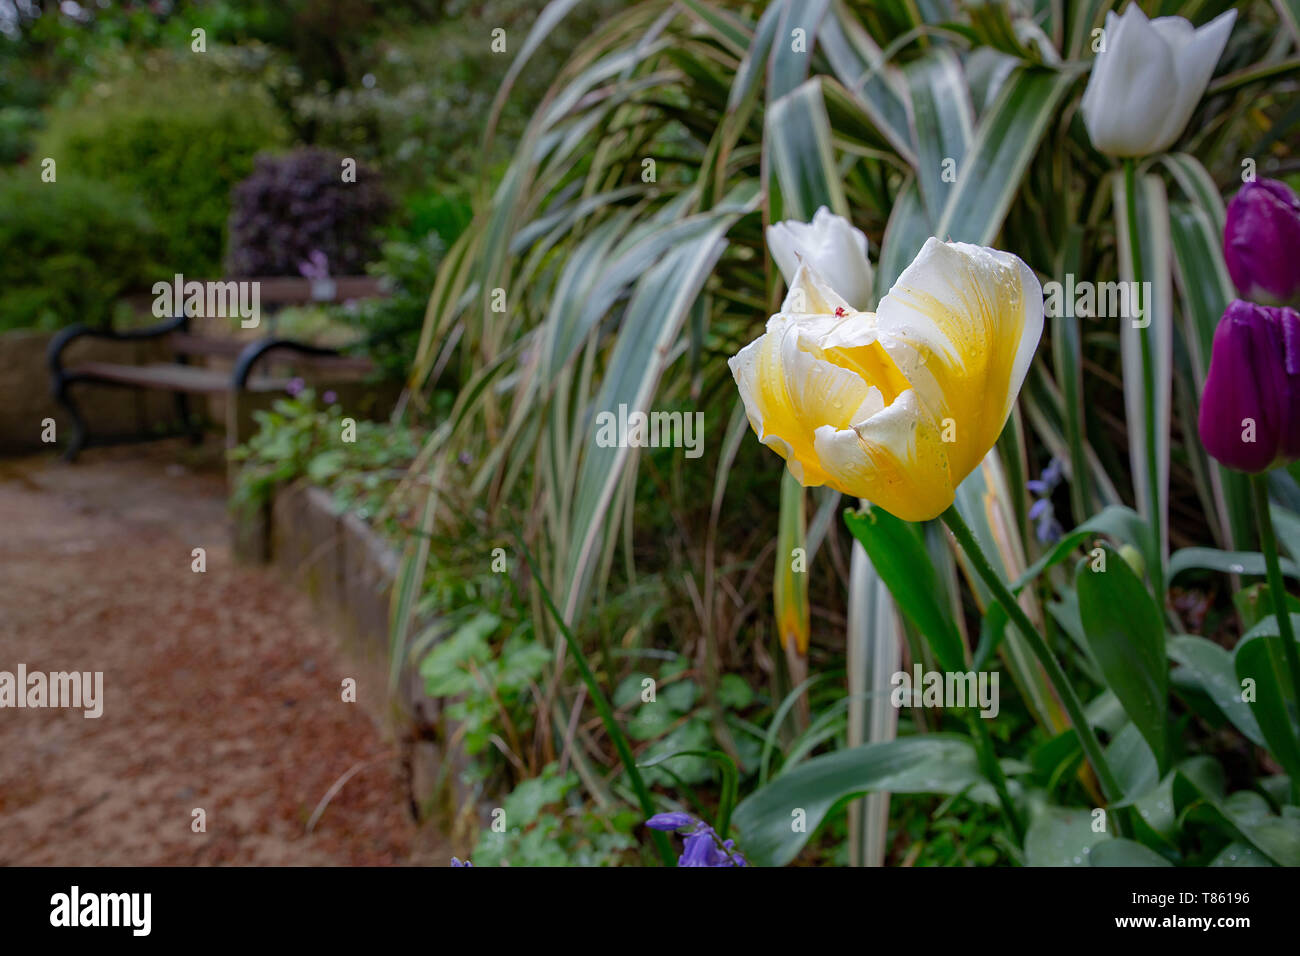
(1149, 383)
(1073, 706)
(1276, 586)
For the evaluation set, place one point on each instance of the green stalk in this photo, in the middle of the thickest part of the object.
(1276, 586)
(602, 706)
(988, 761)
(1073, 706)
(1149, 383)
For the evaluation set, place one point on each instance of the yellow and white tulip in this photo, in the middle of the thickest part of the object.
(899, 405)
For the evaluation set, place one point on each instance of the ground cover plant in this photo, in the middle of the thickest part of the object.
(1009, 221)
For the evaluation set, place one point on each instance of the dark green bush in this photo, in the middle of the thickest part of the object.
(176, 135)
(69, 249)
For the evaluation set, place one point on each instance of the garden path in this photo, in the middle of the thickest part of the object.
(220, 690)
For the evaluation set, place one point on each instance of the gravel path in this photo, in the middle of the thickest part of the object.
(220, 691)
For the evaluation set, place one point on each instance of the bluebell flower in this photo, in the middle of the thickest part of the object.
(703, 847)
(457, 862)
(670, 821)
(1047, 528)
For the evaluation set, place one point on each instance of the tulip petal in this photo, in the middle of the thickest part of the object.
(833, 246)
(1132, 85)
(1195, 55)
(811, 294)
(1260, 239)
(962, 324)
(895, 459)
(786, 385)
(1250, 410)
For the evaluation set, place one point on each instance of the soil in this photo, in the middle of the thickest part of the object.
(222, 692)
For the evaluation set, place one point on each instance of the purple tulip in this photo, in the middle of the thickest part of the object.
(1250, 411)
(1261, 242)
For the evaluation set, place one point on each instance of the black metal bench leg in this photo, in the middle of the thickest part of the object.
(190, 425)
(78, 439)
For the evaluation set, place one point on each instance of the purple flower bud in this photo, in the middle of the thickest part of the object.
(1260, 242)
(457, 862)
(670, 821)
(330, 397)
(295, 386)
(702, 850)
(1250, 411)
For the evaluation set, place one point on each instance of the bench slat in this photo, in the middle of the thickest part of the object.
(186, 344)
(170, 377)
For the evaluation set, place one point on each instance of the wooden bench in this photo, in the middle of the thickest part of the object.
(183, 378)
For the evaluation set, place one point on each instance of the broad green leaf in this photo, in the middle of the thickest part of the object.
(1259, 657)
(1200, 781)
(1119, 522)
(1140, 395)
(934, 763)
(984, 501)
(1133, 763)
(1126, 633)
(799, 141)
(1227, 562)
(1122, 852)
(1005, 141)
(1084, 17)
(1286, 525)
(899, 557)
(751, 70)
(908, 228)
(942, 121)
(1214, 671)
(792, 53)
(1062, 836)
(653, 320)
(877, 86)
(1240, 854)
(874, 646)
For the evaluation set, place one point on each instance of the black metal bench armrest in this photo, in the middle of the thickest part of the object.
(255, 350)
(54, 352)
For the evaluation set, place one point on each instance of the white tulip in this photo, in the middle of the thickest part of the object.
(832, 246)
(1148, 79)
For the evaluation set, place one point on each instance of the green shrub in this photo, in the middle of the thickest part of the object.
(69, 249)
(391, 327)
(178, 136)
(18, 126)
